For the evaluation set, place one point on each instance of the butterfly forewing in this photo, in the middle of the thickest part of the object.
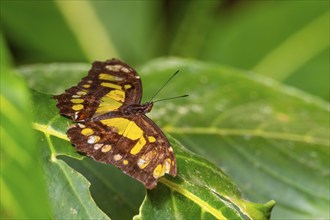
(128, 140)
(109, 86)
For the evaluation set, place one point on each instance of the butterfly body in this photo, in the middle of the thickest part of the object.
(111, 123)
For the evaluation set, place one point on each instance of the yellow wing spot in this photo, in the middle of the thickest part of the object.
(106, 148)
(118, 95)
(107, 108)
(77, 107)
(89, 81)
(158, 171)
(105, 76)
(119, 123)
(86, 86)
(125, 162)
(87, 131)
(127, 86)
(151, 139)
(77, 101)
(109, 77)
(93, 139)
(117, 157)
(128, 129)
(111, 85)
(79, 93)
(114, 68)
(163, 169)
(107, 104)
(170, 149)
(138, 146)
(132, 132)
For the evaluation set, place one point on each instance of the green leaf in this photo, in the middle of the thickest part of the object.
(107, 24)
(204, 188)
(69, 190)
(23, 191)
(285, 40)
(34, 27)
(112, 191)
(272, 139)
(200, 191)
(80, 204)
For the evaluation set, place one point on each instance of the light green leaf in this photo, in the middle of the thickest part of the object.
(102, 46)
(296, 50)
(23, 193)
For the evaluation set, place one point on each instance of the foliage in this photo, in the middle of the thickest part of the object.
(258, 107)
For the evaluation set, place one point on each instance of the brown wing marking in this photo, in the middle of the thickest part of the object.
(102, 142)
(109, 86)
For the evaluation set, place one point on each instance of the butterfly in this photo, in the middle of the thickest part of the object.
(111, 125)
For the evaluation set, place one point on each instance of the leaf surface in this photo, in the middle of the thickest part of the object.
(204, 189)
(272, 139)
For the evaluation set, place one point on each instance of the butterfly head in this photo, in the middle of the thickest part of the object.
(136, 109)
(148, 106)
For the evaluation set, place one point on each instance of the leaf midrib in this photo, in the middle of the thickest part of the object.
(204, 205)
(247, 133)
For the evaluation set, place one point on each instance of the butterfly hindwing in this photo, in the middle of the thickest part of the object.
(144, 154)
(109, 86)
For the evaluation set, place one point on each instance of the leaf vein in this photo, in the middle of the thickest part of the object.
(247, 132)
(176, 187)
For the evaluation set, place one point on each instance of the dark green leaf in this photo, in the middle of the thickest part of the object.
(64, 30)
(200, 191)
(286, 40)
(270, 138)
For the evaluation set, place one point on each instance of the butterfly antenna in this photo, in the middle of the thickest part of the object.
(176, 97)
(164, 85)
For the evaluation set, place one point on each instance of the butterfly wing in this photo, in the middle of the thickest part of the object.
(132, 143)
(108, 87)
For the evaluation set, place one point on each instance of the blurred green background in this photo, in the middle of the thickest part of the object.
(287, 41)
